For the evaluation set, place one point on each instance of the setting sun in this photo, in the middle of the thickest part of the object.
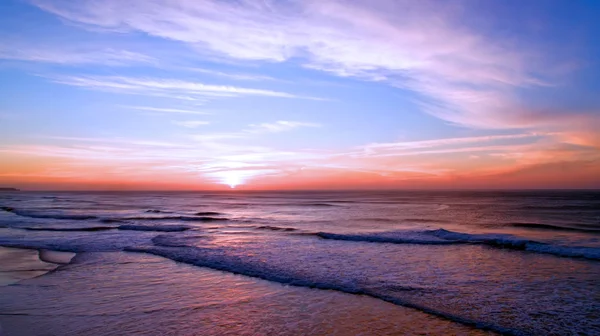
(232, 179)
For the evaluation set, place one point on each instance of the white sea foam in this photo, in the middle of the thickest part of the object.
(445, 237)
(406, 274)
(56, 257)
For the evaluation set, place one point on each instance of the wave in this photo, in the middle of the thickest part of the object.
(299, 204)
(424, 220)
(111, 220)
(208, 213)
(55, 257)
(163, 228)
(102, 241)
(553, 227)
(179, 241)
(445, 237)
(47, 216)
(387, 237)
(219, 260)
(181, 218)
(317, 204)
(512, 242)
(562, 207)
(69, 229)
(200, 217)
(157, 211)
(56, 216)
(375, 219)
(275, 228)
(126, 227)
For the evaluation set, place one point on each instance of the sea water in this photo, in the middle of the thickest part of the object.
(297, 263)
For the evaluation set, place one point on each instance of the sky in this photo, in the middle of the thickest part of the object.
(299, 94)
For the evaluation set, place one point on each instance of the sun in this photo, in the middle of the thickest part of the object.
(232, 179)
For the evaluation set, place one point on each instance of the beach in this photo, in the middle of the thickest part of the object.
(329, 263)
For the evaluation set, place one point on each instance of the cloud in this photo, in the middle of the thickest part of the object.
(278, 126)
(165, 110)
(210, 161)
(70, 56)
(461, 74)
(117, 140)
(454, 71)
(230, 159)
(447, 141)
(166, 87)
(235, 76)
(191, 123)
(251, 131)
(423, 41)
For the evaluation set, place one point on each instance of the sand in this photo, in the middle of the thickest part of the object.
(20, 264)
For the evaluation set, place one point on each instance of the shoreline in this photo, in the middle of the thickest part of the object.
(158, 294)
(18, 264)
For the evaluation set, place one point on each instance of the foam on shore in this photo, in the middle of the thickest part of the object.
(56, 257)
(20, 264)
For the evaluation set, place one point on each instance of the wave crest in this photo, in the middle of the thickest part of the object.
(32, 214)
(156, 228)
(181, 218)
(445, 237)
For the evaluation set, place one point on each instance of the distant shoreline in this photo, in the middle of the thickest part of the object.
(9, 189)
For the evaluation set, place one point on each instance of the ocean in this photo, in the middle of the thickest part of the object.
(300, 263)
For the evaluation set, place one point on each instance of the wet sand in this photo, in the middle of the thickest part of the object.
(120, 293)
(20, 264)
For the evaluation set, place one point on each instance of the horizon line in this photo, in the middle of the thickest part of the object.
(294, 190)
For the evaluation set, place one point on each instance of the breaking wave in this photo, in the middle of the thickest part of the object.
(111, 220)
(200, 216)
(157, 211)
(553, 227)
(181, 218)
(401, 237)
(562, 207)
(445, 237)
(31, 214)
(177, 241)
(202, 257)
(74, 229)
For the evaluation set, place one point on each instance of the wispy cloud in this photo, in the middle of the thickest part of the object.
(165, 110)
(279, 126)
(216, 140)
(118, 140)
(427, 47)
(487, 145)
(190, 123)
(424, 49)
(232, 75)
(447, 141)
(461, 75)
(70, 56)
(167, 87)
(218, 160)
